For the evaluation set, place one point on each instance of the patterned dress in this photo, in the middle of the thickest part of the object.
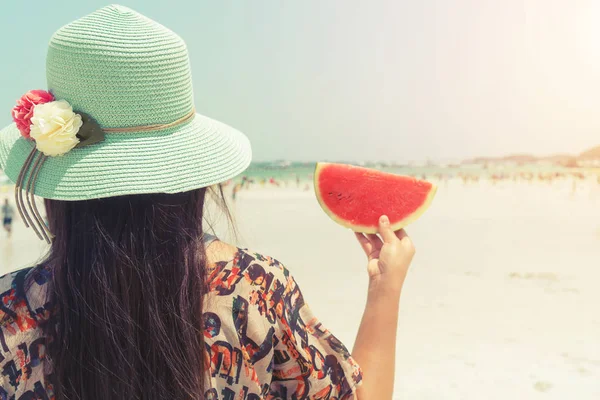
(262, 340)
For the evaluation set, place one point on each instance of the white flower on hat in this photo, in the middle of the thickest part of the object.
(54, 127)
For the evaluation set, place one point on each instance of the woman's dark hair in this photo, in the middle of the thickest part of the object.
(128, 285)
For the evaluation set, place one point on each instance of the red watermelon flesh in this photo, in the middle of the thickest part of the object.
(356, 197)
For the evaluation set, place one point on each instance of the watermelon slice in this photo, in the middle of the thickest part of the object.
(356, 197)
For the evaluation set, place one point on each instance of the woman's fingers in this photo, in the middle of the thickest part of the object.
(375, 240)
(372, 242)
(385, 230)
(405, 239)
(364, 243)
(401, 234)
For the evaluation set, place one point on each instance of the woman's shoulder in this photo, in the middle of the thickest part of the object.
(23, 306)
(232, 268)
(23, 309)
(223, 253)
(23, 297)
(12, 288)
(7, 279)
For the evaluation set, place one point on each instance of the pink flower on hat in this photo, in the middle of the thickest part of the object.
(23, 111)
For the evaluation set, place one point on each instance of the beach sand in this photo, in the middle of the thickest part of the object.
(501, 301)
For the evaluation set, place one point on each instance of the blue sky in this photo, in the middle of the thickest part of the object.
(356, 80)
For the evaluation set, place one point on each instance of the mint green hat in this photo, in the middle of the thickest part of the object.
(132, 76)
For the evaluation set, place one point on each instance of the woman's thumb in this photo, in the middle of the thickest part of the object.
(385, 230)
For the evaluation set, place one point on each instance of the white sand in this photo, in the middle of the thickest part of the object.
(502, 300)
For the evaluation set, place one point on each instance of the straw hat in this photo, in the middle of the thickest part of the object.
(118, 117)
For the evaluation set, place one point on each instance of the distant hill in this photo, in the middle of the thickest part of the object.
(593, 153)
(559, 157)
(518, 158)
(564, 159)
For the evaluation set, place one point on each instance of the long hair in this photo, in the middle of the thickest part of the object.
(128, 285)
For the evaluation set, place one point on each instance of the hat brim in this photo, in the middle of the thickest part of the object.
(198, 154)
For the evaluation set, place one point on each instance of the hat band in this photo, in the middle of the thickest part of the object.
(148, 128)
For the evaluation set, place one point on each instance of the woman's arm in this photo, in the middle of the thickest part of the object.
(389, 256)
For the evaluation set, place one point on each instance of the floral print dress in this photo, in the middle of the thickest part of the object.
(262, 340)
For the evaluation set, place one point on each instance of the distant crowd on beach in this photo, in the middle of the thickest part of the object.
(467, 178)
(246, 183)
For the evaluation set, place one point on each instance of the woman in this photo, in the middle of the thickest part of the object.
(135, 300)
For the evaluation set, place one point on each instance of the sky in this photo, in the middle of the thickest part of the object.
(392, 80)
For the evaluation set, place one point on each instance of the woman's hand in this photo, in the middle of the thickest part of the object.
(389, 254)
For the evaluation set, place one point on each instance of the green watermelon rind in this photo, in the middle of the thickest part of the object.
(409, 219)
